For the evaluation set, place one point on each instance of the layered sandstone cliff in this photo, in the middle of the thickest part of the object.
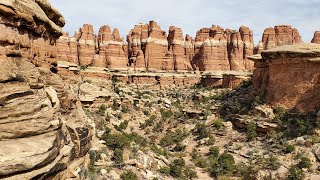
(289, 76)
(218, 49)
(280, 35)
(316, 37)
(44, 132)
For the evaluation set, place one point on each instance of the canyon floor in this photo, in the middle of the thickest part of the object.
(197, 133)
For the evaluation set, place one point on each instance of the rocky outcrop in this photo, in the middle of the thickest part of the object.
(316, 37)
(289, 76)
(280, 35)
(177, 49)
(217, 49)
(156, 53)
(43, 127)
(86, 45)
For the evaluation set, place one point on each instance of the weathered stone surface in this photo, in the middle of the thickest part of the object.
(86, 45)
(176, 48)
(36, 107)
(277, 69)
(156, 53)
(316, 37)
(280, 35)
(213, 52)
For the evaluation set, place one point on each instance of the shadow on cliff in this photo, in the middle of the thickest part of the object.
(309, 102)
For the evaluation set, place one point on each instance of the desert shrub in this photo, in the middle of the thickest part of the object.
(159, 151)
(214, 152)
(101, 110)
(165, 170)
(189, 173)
(176, 168)
(201, 131)
(304, 163)
(295, 125)
(129, 175)
(248, 172)
(272, 163)
(251, 131)
(289, 149)
(118, 156)
(201, 162)
(173, 138)
(179, 147)
(120, 141)
(224, 166)
(295, 173)
(218, 123)
(114, 106)
(165, 114)
(158, 127)
(122, 126)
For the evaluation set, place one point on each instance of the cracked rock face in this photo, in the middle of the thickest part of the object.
(43, 128)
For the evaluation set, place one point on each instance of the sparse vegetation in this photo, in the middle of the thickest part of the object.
(129, 175)
(251, 131)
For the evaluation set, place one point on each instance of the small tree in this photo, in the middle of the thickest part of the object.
(251, 131)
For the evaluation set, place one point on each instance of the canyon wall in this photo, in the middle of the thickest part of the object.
(289, 76)
(280, 35)
(149, 48)
(44, 132)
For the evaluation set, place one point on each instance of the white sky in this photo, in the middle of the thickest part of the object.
(191, 15)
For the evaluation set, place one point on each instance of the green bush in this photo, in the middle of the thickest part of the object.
(173, 138)
(176, 168)
(248, 172)
(118, 156)
(101, 110)
(289, 149)
(218, 123)
(122, 126)
(189, 173)
(129, 175)
(272, 162)
(201, 131)
(251, 131)
(304, 163)
(224, 166)
(295, 173)
(179, 147)
(166, 114)
(201, 162)
(214, 152)
(165, 170)
(159, 151)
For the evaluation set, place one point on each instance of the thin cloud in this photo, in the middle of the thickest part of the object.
(192, 15)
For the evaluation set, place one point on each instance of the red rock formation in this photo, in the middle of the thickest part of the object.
(248, 48)
(136, 55)
(86, 45)
(189, 49)
(213, 52)
(156, 53)
(104, 37)
(117, 56)
(316, 37)
(201, 36)
(279, 36)
(176, 47)
(288, 76)
(235, 50)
